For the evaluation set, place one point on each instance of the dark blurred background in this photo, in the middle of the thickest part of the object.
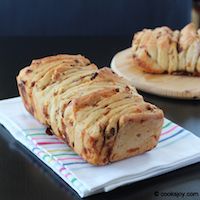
(89, 17)
(98, 29)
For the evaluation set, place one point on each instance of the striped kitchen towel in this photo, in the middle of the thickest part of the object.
(177, 148)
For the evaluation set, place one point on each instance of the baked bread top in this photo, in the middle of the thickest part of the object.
(163, 50)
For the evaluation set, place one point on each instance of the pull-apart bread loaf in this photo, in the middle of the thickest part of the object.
(97, 113)
(162, 50)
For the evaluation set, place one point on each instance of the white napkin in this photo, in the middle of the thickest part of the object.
(177, 148)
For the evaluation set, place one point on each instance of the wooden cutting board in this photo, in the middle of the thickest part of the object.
(174, 86)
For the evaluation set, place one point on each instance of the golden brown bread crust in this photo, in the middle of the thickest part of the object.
(96, 112)
(165, 51)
